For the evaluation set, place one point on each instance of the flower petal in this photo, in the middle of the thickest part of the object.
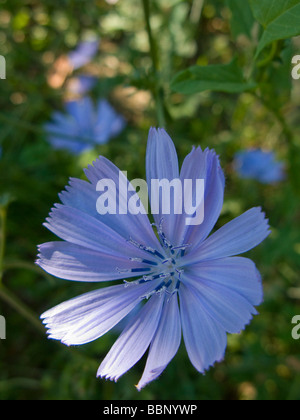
(228, 308)
(165, 343)
(236, 273)
(74, 262)
(161, 163)
(81, 229)
(108, 123)
(133, 342)
(196, 166)
(89, 316)
(83, 53)
(128, 225)
(82, 111)
(239, 235)
(204, 339)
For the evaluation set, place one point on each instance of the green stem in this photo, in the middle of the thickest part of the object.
(20, 307)
(3, 214)
(269, 57)
(5, 294)
(18, 264)
(158, 91)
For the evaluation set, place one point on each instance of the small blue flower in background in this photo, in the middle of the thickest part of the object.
(83, 125)
(189, 280)
(260, 165)
(83, 53)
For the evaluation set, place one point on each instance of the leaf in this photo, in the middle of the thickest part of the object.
(265, 11)
(282, 26)
(220, 78)
(241, 17)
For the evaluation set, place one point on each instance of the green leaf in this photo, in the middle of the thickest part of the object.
(265, 11)
(220, 78)
(281, 20)
(241, 17)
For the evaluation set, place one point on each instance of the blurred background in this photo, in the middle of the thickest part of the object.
(47, 66)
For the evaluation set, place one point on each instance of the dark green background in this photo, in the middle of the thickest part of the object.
(261, 363)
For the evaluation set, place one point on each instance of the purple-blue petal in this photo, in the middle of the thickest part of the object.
(260, 165)
(134, 341)
(205, 340)
(236, 237)
(223, 304)
(87, 317)
(161, 163)
(237, 273)
(83, 53)
(73, 262)
(165, 343)
(202, 165)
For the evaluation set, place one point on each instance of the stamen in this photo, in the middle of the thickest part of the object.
(133, 270)
(143, 261)
(139, 281)
(179, 271)
(169, 260)
(165, 271)
(182, 247)
(161, 234)
(151, 277)
(145, 248)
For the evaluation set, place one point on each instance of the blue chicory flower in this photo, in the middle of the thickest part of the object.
(260, 165)
(190, 282)
(83, 125)
(83, 53)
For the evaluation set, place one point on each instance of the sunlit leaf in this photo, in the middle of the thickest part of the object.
(266, 11)
(241, 18)
(219, 77)
(280, 20)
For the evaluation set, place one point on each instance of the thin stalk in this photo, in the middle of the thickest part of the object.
(18, 264)
(3, 214)
(8, 297)
(158, 91)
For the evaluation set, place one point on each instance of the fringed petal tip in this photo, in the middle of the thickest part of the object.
(107, 376)
(52, 334)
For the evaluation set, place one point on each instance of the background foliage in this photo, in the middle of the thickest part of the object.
(221, 76)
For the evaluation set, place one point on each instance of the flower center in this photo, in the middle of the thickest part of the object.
(165, 268)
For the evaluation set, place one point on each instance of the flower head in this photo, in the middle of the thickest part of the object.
(260, 165)
(187, 280)
(83, 125)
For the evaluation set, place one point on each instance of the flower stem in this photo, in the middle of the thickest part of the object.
(5, 294)
(20, 307)
(158, 90)
(3, 213)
